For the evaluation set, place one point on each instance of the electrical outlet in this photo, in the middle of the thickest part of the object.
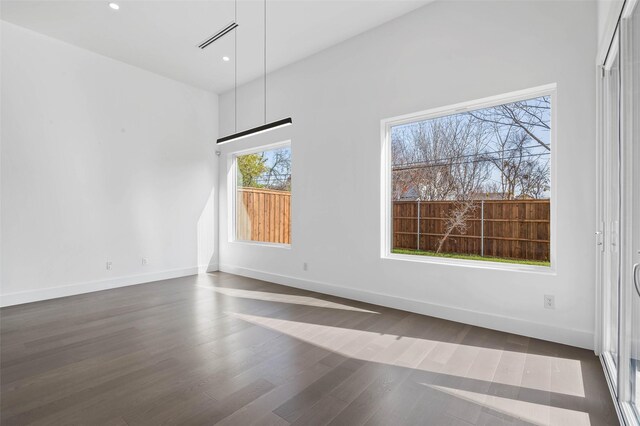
(108, 265)
(305, 266)
(145, 261)
(549, 301)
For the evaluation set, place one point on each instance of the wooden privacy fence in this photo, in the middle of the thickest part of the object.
(517, 229)
(263, 215)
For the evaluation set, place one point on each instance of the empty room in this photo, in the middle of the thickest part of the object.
(320, 212)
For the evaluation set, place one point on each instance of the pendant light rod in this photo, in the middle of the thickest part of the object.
(265, 61)
(235, 69)
(266, 126)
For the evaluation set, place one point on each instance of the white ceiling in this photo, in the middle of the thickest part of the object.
(161, 36)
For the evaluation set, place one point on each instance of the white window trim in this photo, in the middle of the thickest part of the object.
(385, 186)
(232, 179)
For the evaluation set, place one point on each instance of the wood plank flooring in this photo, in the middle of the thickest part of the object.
(222, 349)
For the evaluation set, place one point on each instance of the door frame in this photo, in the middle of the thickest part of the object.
(604, 231)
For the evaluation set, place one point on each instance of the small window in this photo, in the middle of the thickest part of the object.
(473, 183)
(263, 196)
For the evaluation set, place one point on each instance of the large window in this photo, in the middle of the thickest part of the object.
(263, 195)
(473, 181)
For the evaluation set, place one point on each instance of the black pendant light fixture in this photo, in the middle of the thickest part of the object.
(267, 125)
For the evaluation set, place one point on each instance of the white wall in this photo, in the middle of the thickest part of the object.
(444, 53)
(101, 161)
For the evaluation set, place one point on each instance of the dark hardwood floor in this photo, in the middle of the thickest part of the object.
(222, 349)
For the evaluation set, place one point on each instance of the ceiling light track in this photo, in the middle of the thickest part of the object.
(226, 30)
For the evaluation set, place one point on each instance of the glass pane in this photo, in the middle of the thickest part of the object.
(612, 199)
(475, 185)
(635, 297)
(263, 196)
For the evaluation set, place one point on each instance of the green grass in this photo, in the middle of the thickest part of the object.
(472, 257)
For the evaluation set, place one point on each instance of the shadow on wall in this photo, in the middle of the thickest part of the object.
(207, 234)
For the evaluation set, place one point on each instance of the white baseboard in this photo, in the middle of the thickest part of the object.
(572, 337)
(97, 285)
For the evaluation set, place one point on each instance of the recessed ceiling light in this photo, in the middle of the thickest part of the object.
(114, 6)
(225, 58)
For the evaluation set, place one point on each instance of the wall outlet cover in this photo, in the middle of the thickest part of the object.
(549, 301)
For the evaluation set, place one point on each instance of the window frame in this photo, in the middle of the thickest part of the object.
(232, 180)
(386, 213)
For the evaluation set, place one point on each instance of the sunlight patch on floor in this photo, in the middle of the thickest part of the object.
(536, 414)
(284, 298)
(539, 372)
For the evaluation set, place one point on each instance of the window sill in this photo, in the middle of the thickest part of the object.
(262, 244)
(477, 264)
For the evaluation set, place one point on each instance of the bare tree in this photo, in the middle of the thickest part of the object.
(404, 153)
(469, 170)
(458, 219)
(533, 180)
(522, 165)
(278, 173)
(509, 150)
(529, 115)
(440, 159)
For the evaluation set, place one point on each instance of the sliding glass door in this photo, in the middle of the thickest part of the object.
(631, 144)
(610, 240)
(619, 211)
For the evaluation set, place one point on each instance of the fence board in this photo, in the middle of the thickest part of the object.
(517, 229)
(263, 215)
